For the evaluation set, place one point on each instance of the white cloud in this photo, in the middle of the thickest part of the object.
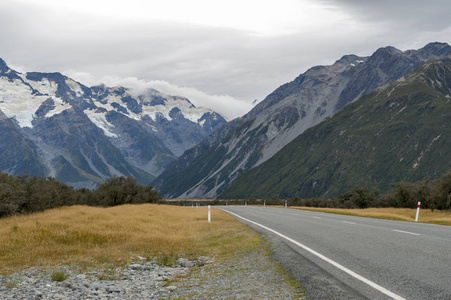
(225, 105)
(229, 107)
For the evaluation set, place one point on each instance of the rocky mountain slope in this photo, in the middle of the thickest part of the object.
(209, 168)
(401, 131)
(51, 125)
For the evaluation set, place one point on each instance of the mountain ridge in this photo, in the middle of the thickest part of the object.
(208, 169)
(400, 131)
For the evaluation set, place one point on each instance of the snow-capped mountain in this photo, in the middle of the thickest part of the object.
(208, 169)
(51, 125)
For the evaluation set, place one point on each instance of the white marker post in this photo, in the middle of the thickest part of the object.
(285, 203)
(209, 214)
(264, 202)
(418, 211)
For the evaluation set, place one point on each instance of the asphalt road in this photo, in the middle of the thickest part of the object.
(345, 257)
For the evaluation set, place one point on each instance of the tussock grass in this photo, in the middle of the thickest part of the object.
(92, 236)
(59, 275)
(442, 217)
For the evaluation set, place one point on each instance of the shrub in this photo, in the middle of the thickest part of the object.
(59, 275)
(27, 194)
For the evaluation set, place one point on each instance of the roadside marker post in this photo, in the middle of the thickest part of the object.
(285, 203)
(264, 202)
(209, 214)
(418, 211)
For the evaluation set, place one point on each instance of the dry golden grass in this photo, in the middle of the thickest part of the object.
(389, 213)
(91, 236)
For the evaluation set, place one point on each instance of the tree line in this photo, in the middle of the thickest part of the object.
(433, 194)
(27, 194)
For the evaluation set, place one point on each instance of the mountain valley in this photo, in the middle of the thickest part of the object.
(208, 169)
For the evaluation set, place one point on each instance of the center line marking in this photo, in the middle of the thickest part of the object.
(335, 264)
(412, 233)
(348, 222)
(317, 218)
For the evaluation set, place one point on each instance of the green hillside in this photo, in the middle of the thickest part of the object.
(401, 131)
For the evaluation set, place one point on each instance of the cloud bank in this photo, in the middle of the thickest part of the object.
(219, 54)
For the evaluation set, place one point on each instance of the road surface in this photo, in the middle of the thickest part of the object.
(344, 257)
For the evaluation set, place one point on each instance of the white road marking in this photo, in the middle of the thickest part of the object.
(335, 264)
(317, 218)
(406, 232)
(348, 222)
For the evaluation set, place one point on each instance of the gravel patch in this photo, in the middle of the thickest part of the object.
(247, 276)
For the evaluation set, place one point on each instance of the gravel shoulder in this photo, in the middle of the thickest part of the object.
(252, 275)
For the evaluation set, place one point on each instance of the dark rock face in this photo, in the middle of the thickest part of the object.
(19, 154)
(386, 65)
(208, 169)
(54, 126)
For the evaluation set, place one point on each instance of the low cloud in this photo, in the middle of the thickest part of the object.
(227, 106)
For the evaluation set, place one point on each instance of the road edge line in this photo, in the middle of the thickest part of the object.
(335, 264)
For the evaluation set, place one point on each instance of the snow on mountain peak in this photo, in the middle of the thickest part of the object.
(17, 100)
(186, 109)
(99, 119)
(152, 103)
(22, 95)
(75, 87)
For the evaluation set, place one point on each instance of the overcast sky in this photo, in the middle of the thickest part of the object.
(220, 54)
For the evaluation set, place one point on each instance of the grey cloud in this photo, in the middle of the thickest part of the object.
(428, 15)
(216, 61)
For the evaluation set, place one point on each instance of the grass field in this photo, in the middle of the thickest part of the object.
(93, 236)
(442, 217)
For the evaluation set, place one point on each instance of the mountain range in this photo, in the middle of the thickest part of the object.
(367, 121)
(260, 141)
(51, 125)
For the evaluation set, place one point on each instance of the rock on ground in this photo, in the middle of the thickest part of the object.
(247, 276)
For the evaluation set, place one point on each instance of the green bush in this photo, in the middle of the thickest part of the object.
(59, 275)
(433, 194)
(28, 194)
